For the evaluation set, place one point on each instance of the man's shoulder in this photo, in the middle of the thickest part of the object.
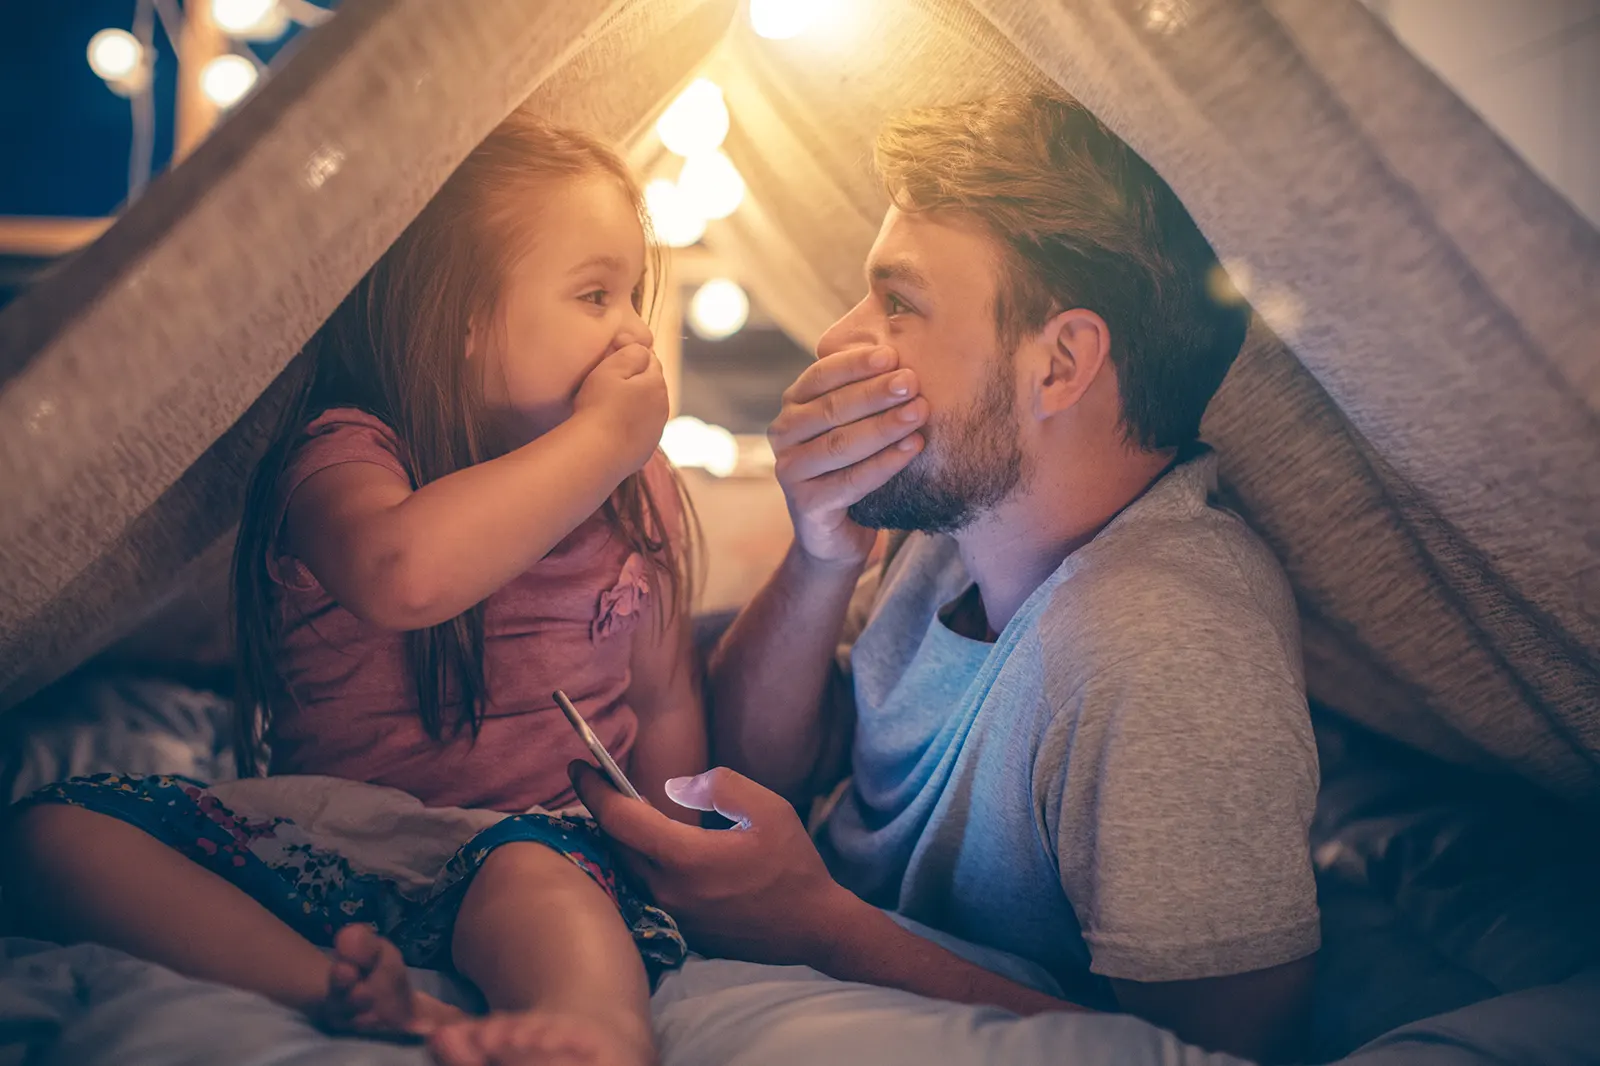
(1174, 591)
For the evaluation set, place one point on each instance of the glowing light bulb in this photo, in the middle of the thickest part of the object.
(719, 309)
(675, 223)
(1222, 287)
(1165, 17)
(255, 19)
(1240, 278)
(115, 54)
(697, 121)
(780, 20)
(711, 184)
(226, 79)
(690, 442)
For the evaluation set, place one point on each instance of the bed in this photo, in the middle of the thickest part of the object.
(1461, 926)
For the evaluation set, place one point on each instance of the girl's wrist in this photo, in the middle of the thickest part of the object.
(586, 441)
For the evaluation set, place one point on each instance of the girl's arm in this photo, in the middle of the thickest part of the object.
(408, 560)
(665, 694)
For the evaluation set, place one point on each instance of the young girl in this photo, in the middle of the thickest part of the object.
(464, 510)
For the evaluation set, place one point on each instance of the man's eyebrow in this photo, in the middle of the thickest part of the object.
(899, 270)
(608, 262)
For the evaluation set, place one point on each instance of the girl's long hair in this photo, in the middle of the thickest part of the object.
(395, 348)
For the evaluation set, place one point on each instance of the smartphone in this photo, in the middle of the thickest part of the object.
(608, 765)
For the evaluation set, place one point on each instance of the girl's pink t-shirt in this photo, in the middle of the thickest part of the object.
(568, 623)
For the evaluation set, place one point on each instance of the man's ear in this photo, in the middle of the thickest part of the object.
(1073, 349)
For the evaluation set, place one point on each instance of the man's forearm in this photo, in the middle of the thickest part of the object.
(768, 676)
(865, 945)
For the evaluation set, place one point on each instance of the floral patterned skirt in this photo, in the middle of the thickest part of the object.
(361, 853)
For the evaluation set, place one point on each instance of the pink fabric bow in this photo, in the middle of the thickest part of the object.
(621, 603)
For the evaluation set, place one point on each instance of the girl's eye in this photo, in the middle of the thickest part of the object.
(597, 297)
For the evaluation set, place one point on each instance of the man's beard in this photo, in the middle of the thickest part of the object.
(970, 463)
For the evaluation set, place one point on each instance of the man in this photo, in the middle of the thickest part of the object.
(1075, 716)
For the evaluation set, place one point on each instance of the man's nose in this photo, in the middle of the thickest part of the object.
(854, 329)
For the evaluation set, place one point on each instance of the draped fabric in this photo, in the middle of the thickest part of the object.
(1414, 424)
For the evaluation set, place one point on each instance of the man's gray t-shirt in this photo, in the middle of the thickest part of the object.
(1122, 784)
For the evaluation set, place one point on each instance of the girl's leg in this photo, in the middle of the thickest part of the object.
(540, 939)
(78, 875)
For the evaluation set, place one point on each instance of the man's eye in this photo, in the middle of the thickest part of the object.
(896, 306)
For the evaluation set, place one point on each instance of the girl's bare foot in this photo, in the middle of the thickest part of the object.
(535, 1038)
(370, 992)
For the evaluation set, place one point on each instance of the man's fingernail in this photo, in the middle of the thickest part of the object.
(908, 444)
(678, 787)
(882, 359)
(909, 413)
(900, 384)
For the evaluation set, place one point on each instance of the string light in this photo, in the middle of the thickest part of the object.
(690, 442)
(711, 185)
(1240, 278)
(1224, 288)
(697, 121)
(226, 79)
(126, 61)
(719, 309)
(1165, 17)
(675, 223)
(253, 20)
(117, 57)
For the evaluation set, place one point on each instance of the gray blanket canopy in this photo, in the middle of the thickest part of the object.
(1414, 425)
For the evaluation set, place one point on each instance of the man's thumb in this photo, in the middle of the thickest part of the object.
(730, 794)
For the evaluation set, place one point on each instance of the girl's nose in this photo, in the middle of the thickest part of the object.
(634, 331)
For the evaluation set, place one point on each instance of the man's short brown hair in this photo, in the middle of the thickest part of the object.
(1082, 222)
